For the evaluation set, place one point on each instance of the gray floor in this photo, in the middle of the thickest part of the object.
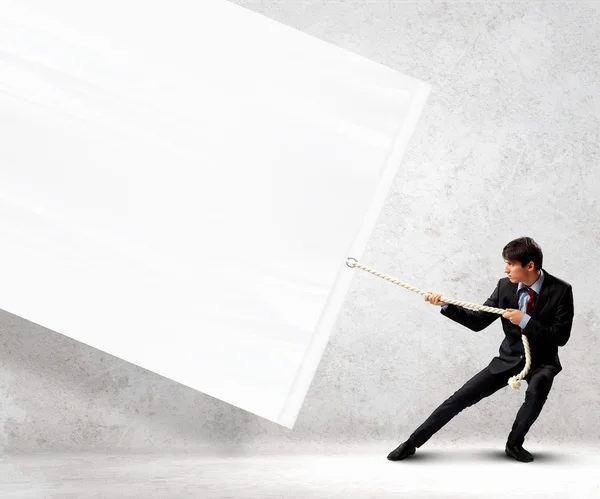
(469, 471)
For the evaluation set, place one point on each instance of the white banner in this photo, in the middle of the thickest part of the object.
(181, 183)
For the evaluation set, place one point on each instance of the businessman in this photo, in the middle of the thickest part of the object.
(538, 305)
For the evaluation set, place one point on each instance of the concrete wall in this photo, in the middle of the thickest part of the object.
(508, 146)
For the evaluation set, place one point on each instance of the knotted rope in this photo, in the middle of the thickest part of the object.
(515, 381)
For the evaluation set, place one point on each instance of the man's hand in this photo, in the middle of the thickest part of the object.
(514, 316)
(435, 298)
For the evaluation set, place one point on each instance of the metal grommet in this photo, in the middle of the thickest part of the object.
(351, 258)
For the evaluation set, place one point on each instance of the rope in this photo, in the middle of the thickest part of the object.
(514, 381)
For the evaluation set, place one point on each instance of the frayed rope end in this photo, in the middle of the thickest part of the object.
(514, 383)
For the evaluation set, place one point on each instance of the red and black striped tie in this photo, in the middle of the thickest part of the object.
(531, 302)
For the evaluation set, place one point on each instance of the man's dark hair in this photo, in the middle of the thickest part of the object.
(523, 250)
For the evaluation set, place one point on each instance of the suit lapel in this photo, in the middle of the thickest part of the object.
(514, 299)
(542, 299)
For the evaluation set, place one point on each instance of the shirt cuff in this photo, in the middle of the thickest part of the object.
(524, 321)
(444, 307)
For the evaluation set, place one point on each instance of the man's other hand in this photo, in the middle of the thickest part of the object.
(435, 298)
(514, 316)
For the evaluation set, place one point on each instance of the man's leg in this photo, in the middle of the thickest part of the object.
(538, 388)
(483, 384)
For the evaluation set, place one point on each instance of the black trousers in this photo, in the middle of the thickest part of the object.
(483, 384)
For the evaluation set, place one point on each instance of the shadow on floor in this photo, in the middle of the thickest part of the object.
(479, 456)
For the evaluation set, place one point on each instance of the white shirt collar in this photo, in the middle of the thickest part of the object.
(536, 286)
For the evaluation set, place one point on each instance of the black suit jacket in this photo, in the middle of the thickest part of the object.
(548, 328)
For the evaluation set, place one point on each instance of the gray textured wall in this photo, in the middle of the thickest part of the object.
(508, 146)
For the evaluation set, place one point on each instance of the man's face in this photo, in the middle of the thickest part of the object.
(517, 273)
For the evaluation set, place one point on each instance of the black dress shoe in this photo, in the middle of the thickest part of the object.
(402, 451)
(517, 452)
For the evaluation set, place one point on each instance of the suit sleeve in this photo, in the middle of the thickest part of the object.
(559, 331)
(475, 320)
